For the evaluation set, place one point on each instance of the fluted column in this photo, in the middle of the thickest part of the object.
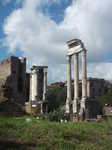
(68, 100)
(76, 84)
(84, 80)
(45, 84)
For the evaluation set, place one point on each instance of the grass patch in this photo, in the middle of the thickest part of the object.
(18, 134)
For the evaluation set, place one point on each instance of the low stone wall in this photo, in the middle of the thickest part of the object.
(9, 108)
(34, 110)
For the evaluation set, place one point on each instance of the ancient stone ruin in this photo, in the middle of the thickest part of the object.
(13, 79)
(75, 47)
(18, 87)
(38, 90)
(83, 105)
(13, 83)
(27, 92)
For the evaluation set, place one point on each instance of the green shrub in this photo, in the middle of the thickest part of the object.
(57, 116)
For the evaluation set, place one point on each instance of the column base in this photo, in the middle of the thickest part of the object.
(37, 109)
(83, 103)
(82, 108)
(75, 117)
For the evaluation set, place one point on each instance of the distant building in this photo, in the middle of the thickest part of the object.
(57, 84)
(13, 79)
(96, 87)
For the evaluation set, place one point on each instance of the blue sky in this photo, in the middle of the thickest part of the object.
(5, 9)
(39, 29)
(54, 10)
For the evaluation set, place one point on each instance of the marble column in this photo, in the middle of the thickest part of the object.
(34, 86)
(30, 87)
(76, 84)
(44, 84)
(69, 98)
(84, 80)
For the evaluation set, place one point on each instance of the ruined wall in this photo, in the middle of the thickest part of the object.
(27, 86)
(13, 79)
(18, 74)
(96, 87)
(107, 110)
(5, 71)
(40, 84)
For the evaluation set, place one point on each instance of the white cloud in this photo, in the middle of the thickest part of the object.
(44, 42)
(93, 21)
(100, 70)
(37, 35)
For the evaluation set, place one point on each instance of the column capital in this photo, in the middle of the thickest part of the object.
(76, 54)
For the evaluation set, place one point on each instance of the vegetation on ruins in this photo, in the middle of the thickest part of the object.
(53, 131)
(34, 134)
(56, 98)
(105, 99)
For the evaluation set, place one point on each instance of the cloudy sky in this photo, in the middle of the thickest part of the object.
(39, 29)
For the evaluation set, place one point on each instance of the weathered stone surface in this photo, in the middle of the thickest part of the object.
(27, 87)
(96, 87)
(89, 89)
(10, 108)
(107, 111)
(75, 47)
(38, 88)
(76, 84)
(14, 84)
(69, 96)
